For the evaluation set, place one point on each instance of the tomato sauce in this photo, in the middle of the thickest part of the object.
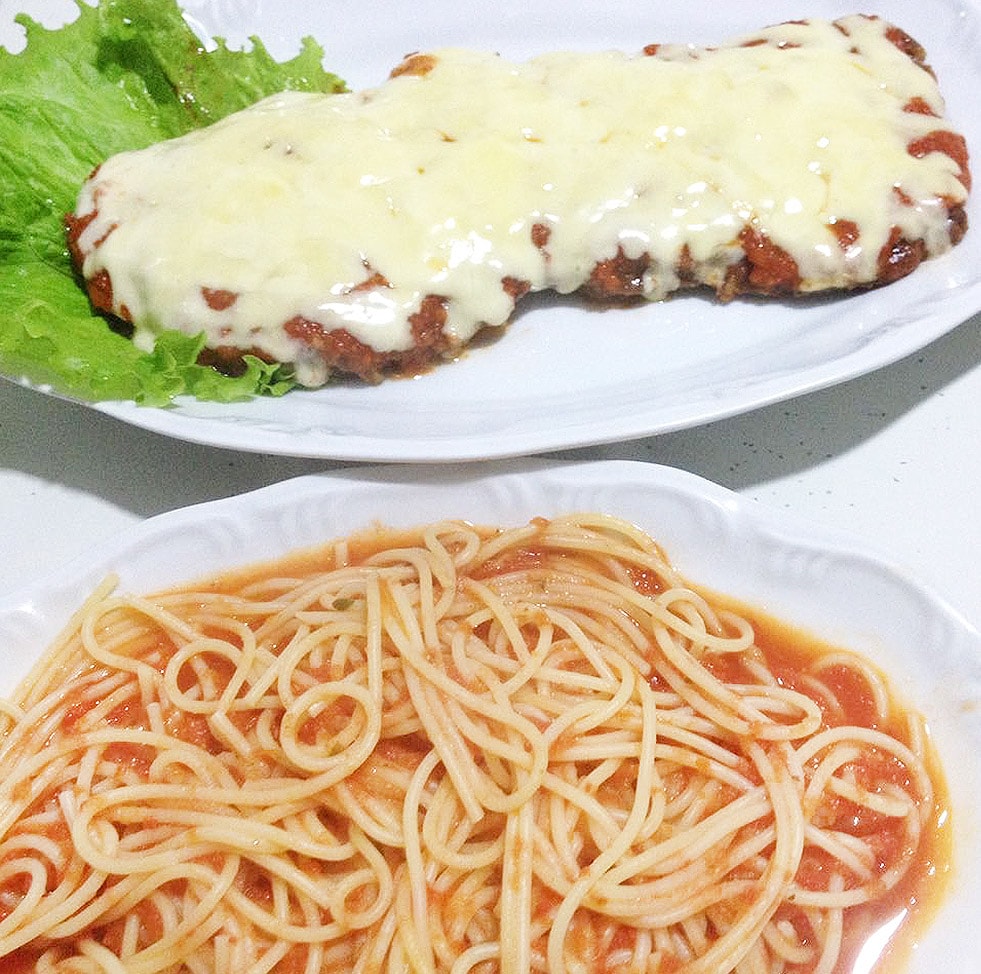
(789, 653)
(951, 144)
(790, 656)
(915, 900)
(771, 269)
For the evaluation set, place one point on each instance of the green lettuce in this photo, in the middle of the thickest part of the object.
(124, 74)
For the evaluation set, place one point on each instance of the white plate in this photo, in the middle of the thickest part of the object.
(822, 581)
(562, 376)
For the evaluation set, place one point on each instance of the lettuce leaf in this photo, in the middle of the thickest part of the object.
(124, 74)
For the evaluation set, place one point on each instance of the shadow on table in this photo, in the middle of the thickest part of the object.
(789, 437)
(146, 473)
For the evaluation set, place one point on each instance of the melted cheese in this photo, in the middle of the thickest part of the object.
(435, 181)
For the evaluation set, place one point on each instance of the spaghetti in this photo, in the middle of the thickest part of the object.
(454, 750)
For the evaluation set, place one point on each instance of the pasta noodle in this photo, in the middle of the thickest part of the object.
(453, 750)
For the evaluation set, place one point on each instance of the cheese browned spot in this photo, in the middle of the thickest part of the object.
(377, 231)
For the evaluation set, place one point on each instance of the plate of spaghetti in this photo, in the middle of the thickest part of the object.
(386, 721)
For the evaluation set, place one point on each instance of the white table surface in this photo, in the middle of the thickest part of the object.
(893, 457)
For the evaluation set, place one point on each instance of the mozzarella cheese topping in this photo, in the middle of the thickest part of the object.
(436, 180)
